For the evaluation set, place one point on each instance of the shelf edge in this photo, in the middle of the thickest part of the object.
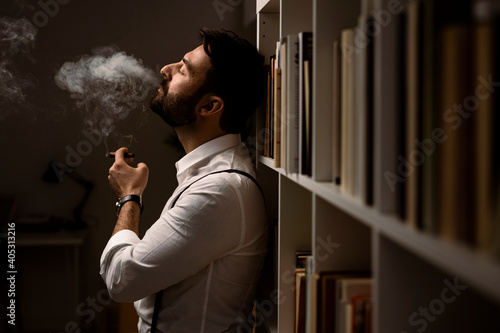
(480, 271)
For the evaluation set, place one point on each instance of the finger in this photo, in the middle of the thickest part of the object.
(143, 167)
(128, 159)
(119, 154)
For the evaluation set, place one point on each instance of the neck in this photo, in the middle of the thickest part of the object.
(192, 139)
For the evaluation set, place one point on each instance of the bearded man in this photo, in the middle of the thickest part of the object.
(197, 267)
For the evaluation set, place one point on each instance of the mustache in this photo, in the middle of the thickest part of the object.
(164, 84)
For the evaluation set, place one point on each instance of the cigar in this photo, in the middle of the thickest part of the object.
(126, 155)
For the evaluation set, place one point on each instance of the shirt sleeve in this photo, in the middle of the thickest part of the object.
(205, 224)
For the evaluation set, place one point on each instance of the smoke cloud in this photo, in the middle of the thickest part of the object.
(17, 38)
(107, 86)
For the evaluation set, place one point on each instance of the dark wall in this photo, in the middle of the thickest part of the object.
(46, 126)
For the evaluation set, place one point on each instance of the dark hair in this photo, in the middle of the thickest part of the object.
(237, 76)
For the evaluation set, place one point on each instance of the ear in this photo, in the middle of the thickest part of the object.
(211, 105)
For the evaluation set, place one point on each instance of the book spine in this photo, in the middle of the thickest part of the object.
(305, 65)
(347, 112)
(293, 104)
(456, 205)
(336, 119)
(413, 112)
(388, 181)
(284, 101)
(277, 118)
(311, 296)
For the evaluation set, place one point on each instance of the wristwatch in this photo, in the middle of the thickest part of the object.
(132, 197)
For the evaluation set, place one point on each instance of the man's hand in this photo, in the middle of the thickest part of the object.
(124, 179)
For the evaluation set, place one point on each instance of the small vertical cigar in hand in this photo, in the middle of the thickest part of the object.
(126, 155)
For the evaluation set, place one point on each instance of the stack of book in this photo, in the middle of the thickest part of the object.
(417, 142)
(342, 301)
(288, 117)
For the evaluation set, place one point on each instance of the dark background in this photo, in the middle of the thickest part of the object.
(46, 126)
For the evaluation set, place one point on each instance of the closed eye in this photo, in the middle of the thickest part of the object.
(182, 70)
(187, 65)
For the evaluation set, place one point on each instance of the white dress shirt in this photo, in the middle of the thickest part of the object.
(206, 252)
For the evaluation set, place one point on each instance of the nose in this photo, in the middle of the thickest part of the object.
(169, 70)
(165, 72)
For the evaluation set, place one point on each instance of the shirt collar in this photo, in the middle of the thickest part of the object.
(209, 148)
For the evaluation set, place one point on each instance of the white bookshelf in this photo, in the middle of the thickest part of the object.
(268, 6)
(410, 267)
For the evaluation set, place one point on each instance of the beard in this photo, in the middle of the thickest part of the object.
(176, 111)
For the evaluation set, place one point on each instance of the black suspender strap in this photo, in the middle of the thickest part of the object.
(221, 171)
(159, 294)
(156, 311)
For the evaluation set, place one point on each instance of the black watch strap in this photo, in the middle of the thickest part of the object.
(132, 197)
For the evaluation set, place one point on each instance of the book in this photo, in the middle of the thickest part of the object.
(292, 121)
(359, 101)
(312, 279)
(336, 118)
(300, 300)
(301, 258)
(283, 64)
(456, 184)
(354, 292)
(307, 116)
(277, 118)
(388, 181)
(369, 124)
(305, 44)
(271, 107)
(347, 318)
(361, 321)
(487, 184)
(335, 291)
(266, 121)
(430, 116)
(363, 112)
(347, 112)
(413, 156)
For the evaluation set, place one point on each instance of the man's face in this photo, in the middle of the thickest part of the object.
(179, 92)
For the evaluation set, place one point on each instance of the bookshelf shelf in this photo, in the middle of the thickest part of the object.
(269, 162)
(409, 234)
(454, 258)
